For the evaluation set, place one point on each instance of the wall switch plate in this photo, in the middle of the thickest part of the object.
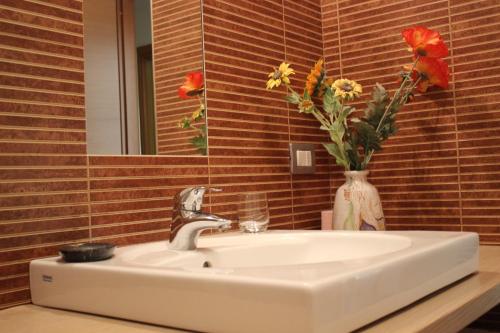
(302, 158)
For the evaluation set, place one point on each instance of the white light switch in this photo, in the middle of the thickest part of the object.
(304, 158)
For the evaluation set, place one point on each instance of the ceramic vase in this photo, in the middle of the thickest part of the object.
(357, 204)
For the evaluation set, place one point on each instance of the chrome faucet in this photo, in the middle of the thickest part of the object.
(188, 221)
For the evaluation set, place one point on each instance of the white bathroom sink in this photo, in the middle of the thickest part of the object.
(279, 281)
(270, 249)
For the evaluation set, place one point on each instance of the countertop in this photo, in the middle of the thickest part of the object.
(447, 310)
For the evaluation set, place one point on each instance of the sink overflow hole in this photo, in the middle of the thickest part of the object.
(207, 264)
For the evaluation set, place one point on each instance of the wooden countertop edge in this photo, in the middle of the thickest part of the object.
(446, 311)
(462, 316)
(453, 307)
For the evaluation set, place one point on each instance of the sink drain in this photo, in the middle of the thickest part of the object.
(207, 264)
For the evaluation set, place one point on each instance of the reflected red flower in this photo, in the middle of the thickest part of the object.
(192, 86)
(432, 72)
(425, 42)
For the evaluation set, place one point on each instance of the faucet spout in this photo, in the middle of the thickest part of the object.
(187, 236)
(188, 221)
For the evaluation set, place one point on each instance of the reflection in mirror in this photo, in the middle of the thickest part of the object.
(118, 77)
(178, 54)
(145, 76)
(194, 87)
(125, 70)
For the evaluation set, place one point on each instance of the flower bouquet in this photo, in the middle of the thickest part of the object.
(194, 87)
(355, 139)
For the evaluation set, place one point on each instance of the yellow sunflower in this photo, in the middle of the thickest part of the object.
(315, 78)
(347, 89)
(280, 75)
(306, 106)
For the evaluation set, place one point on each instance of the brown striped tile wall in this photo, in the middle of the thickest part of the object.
(250, 128)
(178, 49)
(476, 58)
(442, 170)
(49, 184)
(131, 196)
(43, 163)
(304, 45)
(47, 175)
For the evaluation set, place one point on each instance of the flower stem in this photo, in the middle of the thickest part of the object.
(396, 95)
(395, 98)
(319, 116)
(415, 84)
(316, 113)
(327, 124)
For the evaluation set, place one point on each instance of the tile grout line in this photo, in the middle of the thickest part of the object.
(333, 192)
(89, 206)
(204, 66)
(460, 203)
(288, 116)
(339, 39)
(330, 174)
(87, 159)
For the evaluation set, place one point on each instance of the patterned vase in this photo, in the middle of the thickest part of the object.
(357, 204)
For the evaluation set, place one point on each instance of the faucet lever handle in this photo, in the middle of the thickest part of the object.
(191, 199)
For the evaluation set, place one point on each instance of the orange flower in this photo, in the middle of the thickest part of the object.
(425, 42)
(315, 78)
(192, 86)
(431, 72)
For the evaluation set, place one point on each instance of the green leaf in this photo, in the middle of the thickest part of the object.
(337, 131)
(379, 93)
(376, 107)
(367, 136)
(329, 101)
(346, 112)
(375, 111)
(185, 123)
(306, 95)
(352, 152)
(200, 142)
(203, 129)
(334, 150)
(293, 98)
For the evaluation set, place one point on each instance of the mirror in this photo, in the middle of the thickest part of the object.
(144, 77)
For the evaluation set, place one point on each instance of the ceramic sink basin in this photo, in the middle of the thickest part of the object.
(280, 281)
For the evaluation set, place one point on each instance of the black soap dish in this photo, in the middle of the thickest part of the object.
(86, 252)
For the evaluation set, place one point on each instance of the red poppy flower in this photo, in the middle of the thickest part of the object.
(425, 42)
(192, 86)
(432, 72)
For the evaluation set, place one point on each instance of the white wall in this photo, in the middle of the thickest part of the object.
(133, 132)
(105, 129)
(102, 94)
